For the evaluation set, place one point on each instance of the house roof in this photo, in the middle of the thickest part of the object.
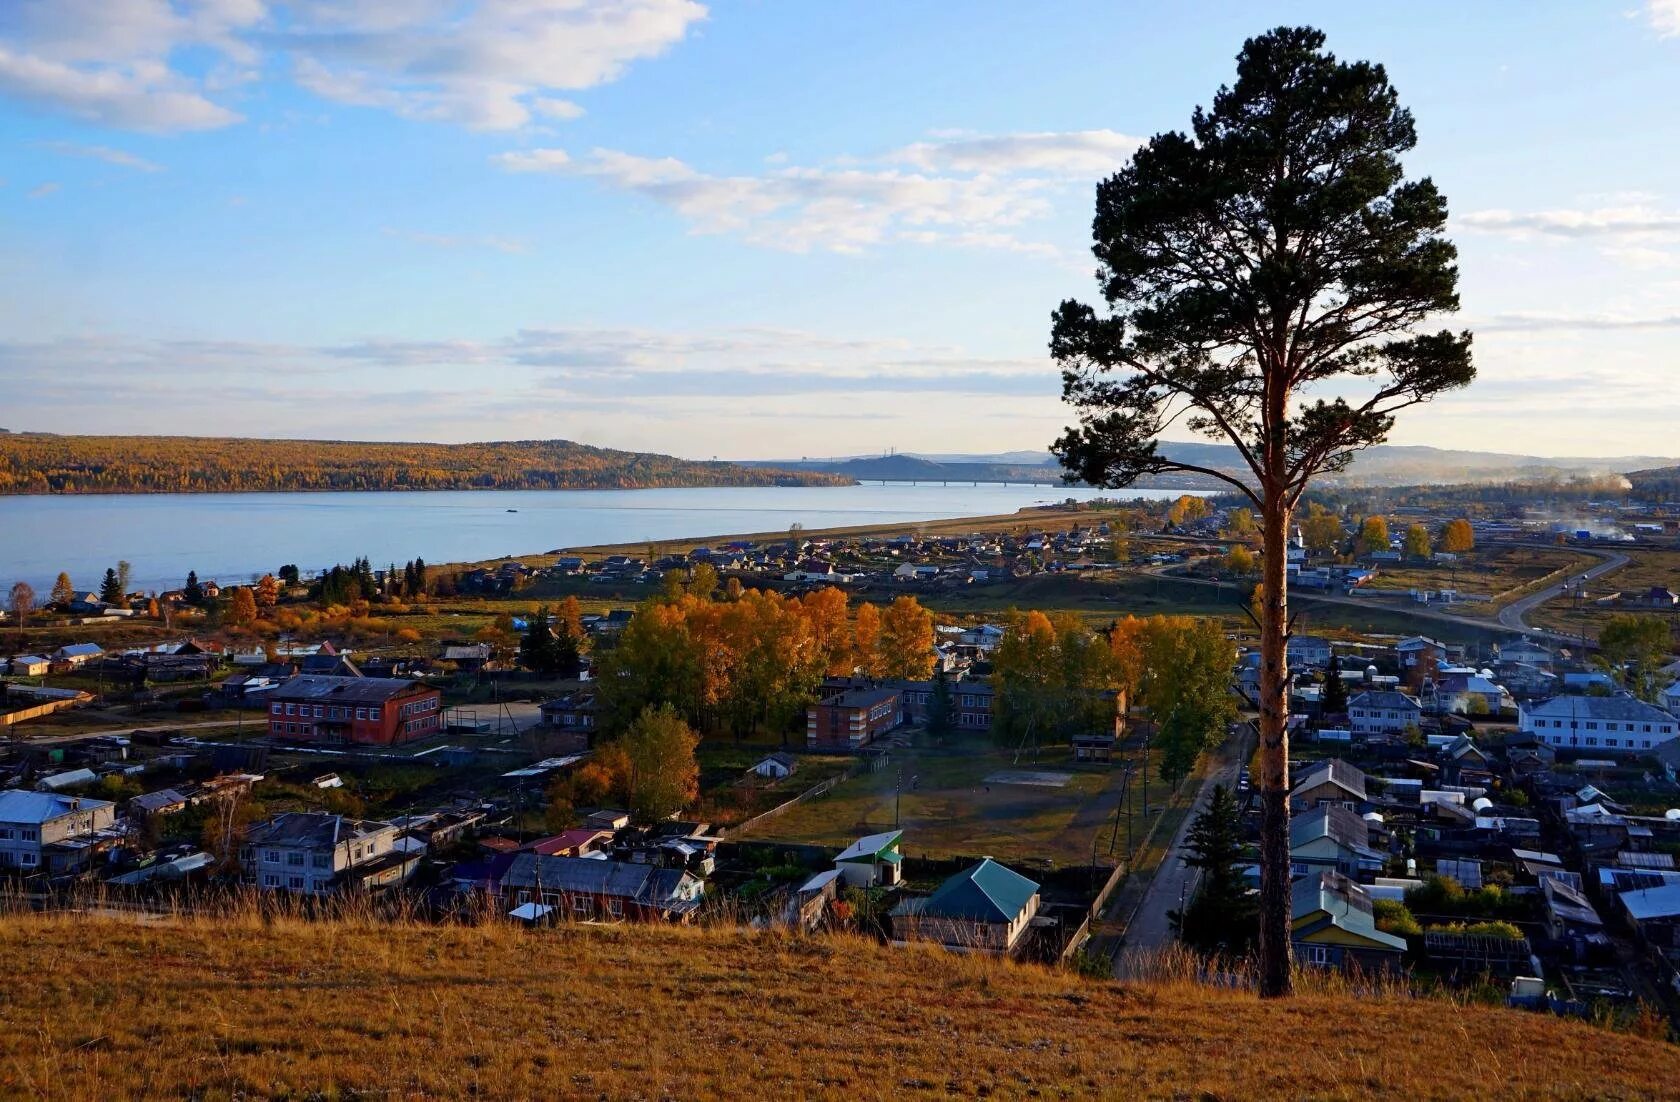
(81, 650)
(311, 828)
(1341, 825)
(987, 892)
(1343, 904)
(1644, 904)
(638, 883)
(1621, 708)
(319, 688)
(1333, 771)
(1568, 904)
(870, 846)
(18, 806)
(1419, 642)
(780, 758)
(1384, 698)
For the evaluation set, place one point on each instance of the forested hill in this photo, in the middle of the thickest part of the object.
(33, 463)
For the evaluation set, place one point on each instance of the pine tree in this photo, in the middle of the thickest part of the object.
(537, 648)
(1221, 917)
(192, 591)
(1334, 701)
(110, 590)
(939, 719)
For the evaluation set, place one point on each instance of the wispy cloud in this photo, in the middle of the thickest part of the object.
(970, 191)
(1628, 221)
(1664, 17)
(459, 241)
(491, 65)
(41, 191)
(1536, 323)
(104, 153)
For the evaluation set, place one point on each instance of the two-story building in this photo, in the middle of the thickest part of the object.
(377, 711)
(851, 719)
(51, 833)
(1608, 724)
(1383, 712)
(315, 853)
(575, 715)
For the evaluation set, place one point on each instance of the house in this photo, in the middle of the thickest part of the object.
(589, 890)
(808, 902)
(1333, 926)
(1525, 653)
(1333, 781)
(1334, 838)
(469, 658)
(1614, 724)
(852, 719)
(1383, 712)
(873, 861)
(579, 842)
(1655, 912)
(1568, 912)
(1466, 692)
(1097, 747)
(45, 831)
(316, 853)
(776, 766)
(377, 711)
(983, 638)
(79, 654)
(29, 665)
(985, 908)
(1420, 653)
(1463, 762)
(576, 714)
(1308, 652)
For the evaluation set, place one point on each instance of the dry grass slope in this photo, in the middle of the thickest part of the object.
(242, 1008)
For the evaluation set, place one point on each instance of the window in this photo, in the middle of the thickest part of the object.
(361, 713)
(28, 859)
(29, 834)
(270, 880)
(583, 906)
(6, 833)
(319, 711)
(615, 907)
(295, 859)
(1318, 954)
(274, 709)
(271, 855)
(295, 883)
(322, 861)
(291, 709)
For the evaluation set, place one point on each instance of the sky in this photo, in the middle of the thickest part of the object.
(749, 228)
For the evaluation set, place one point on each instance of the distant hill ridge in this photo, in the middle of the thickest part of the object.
(38, 463)
(1384, 465)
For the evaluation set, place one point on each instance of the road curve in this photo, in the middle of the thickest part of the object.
(1513, 615)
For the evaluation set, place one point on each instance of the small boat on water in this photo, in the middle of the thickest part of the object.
(513, 510)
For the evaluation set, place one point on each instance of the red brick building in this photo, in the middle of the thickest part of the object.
(375, 711)
(852, 719)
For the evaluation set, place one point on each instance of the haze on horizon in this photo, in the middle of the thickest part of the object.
(751, 231)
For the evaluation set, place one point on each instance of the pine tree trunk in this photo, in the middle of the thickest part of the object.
(1275, 979)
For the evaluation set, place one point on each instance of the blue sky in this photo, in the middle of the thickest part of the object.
(752, 229)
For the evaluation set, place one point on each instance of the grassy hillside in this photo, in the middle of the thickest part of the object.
(239, 1008)
(40, 464)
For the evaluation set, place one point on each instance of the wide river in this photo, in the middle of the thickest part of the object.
(233, 537)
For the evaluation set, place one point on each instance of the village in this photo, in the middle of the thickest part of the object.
(1495, 812)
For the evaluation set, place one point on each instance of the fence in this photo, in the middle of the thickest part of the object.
(819, 789)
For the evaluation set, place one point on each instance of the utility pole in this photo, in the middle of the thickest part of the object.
(898, 790)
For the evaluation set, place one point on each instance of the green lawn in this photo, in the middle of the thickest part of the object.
(947, 807)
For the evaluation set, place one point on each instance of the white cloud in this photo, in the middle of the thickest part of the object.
(1664, 17)
(459, 241)
(168, 65)
(1080, 153)
(41, 191)
(104, 153)
(1625, 221)
(970, 191)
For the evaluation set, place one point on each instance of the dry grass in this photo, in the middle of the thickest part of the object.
(241, 1007)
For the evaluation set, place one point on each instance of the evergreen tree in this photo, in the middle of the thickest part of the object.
(288, 574)
(939, 717)
(537, 651)
(1221, 917)
(192, 591)
(567, 650)
(110, 590)
(1274, 252)
(1334, 701)
(420, 575)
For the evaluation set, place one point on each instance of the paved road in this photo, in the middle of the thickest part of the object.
(1149, 928)
(1512, 615)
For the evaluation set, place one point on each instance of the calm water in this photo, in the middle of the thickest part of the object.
(231, 537)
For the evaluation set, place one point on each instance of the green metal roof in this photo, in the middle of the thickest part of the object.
(988, 892)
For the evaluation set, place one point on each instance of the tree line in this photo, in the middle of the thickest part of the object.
(46, 464)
